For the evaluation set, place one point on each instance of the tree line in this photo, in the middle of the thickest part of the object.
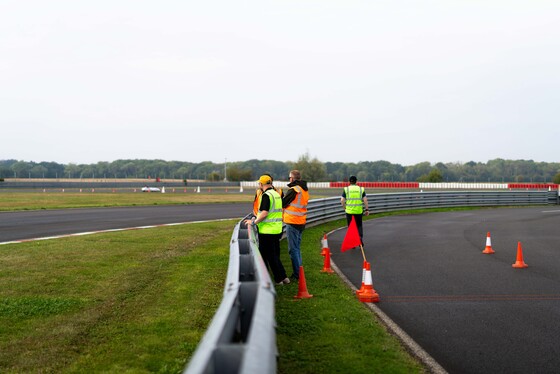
(313, 170)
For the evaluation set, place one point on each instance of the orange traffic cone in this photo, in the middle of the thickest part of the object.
(362, 288)
(369, 295)
(488, 250)
(327, 262)
(325, 245)
(302, 286)
(519, 263)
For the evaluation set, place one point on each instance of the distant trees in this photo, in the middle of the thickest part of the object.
(434, 176)
(313, 170)
(72, 171)
(417, 172)
(237, 174)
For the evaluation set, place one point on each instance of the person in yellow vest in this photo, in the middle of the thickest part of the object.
(355, 203)
(295, 216)
(258, 193)
(269, 223)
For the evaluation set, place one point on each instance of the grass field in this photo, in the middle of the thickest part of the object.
(140, 301)
(15, 200)
(122, 302)
(59, 200)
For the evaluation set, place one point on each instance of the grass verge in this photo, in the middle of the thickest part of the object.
(121, 302)
(332, 332)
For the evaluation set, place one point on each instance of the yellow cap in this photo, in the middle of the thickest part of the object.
(265, 179)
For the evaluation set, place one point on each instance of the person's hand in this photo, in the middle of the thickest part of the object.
(366, 212)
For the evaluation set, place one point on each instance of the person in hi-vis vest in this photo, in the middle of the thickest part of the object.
(258, 193)
(295, 216)
(269, 223)
(355, 204)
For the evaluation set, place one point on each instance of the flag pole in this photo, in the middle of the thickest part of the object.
(363, 254)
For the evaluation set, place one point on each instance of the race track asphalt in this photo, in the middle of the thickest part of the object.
(472, 312)
(45, 223)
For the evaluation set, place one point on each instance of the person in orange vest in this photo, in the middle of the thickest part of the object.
(295, 216)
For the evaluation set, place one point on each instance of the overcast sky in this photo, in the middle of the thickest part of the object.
(349, 81)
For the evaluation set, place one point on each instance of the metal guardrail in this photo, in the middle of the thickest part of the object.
(242, 335)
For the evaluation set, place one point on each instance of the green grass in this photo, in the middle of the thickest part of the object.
(58, 200)
(14, 200)
(121, 302)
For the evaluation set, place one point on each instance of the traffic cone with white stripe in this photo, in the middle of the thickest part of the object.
(327, 262)
(369, 295)
(362, 288)
(488, 250)
(324, 245)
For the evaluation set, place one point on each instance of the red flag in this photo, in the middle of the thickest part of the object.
(352, 238)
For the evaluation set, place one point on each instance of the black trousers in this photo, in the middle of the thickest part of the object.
(358, 219)
(269, 247)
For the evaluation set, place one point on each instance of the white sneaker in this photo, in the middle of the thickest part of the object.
(285, 281)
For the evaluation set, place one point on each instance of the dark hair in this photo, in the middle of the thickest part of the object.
(353, 179)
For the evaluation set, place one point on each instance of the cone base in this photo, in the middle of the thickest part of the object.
(304, 295)
(520, 265)
(488, 251)
(369, 297)
(329, 270)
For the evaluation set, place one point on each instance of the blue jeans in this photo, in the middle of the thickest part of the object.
(294, 235)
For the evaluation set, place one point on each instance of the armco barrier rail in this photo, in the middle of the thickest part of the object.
(242, 335)
(421, 185)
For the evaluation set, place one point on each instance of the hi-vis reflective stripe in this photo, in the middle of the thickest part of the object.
(275, 213)
(272, 224)
(297, 204)
(353, 201)
(295, 213)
